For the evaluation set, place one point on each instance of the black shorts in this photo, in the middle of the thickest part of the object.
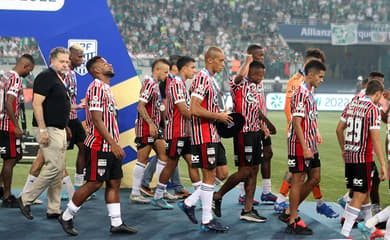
(358, 176)
(208, 155)
(297, 164)
(78, 132)
(248, 149)
(102, 166)
(141, 142)
(266, 141)
(10, 147)
(177, 147)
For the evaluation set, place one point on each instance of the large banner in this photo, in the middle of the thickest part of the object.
(325, 102)
(344, 34)
(90, 23)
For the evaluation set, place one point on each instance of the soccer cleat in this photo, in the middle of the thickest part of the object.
(161, 203)
(10, 202)
(189, 211)
(216, 207)
(53, 215)
(252, 216)
(241, 200)
(298, 227)
(147, 191)
(365, 231)
(284, 217)
(168, 196)
(279, 207)
(182, 194)
(123, 228)
(326, 210)
(68, 226)
(269, 197)
(139, 199)
(341, 202)
(214, 226)
(25, 209)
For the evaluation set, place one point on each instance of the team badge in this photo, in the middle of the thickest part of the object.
(90, 50)
(102, 163)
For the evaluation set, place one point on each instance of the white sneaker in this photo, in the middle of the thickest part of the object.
(139, 199)
(169, 196)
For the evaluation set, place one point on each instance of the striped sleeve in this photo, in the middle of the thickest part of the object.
(14, 85)
(177, 92)
(96, 98)
(146, 91)
(374, 118)
(298, 103)
(199, 86)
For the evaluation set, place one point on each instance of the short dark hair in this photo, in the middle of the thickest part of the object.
(252, 48)
(374, 86)
(375, 74)
(29, 57)
(365, 81)
(160, 60)
(256, 65)
(316, 65)
(92, 62)
(184, 60)
(315, 53)
(173, 60)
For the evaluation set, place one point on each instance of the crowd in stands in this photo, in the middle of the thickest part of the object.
(156, 28)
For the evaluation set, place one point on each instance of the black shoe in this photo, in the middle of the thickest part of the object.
(189, 211)
(123, 228)
(216, 207)
(67, 226)
(53, 215)
(10, 202)
(25, 210)
(215, 226)
(284, 217)
(343, 220)
(298, 227)
(252, 216)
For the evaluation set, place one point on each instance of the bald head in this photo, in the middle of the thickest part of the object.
(212, 52)
(214, 60)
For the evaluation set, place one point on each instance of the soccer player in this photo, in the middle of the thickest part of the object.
(177, 131)
(207, 149)
(294, 82)
(146, 128)
(11, 134)
(258, 53)
(358, 134)
(248, 150)
(303, 157)
(103, 154)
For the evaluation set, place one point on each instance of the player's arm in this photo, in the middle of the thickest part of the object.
(184, 111)
(287, 101)
(97, 120)
(377, 144)
(297, 121)
(11, 113)
(243, 71)
(197, 110)
(270, 126)
(144, 114)
(341, 126)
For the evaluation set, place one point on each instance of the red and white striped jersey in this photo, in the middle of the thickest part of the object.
(263, 106)
(71, 86)
(361, 117)
(100, 98)
(176, 124)
(303, 104)
(150, 94)
(11, 84)
(246, 100)
(204, 87)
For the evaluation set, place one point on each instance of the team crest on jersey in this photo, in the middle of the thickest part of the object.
(313, 115)
(90, 50)
(250, 98)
